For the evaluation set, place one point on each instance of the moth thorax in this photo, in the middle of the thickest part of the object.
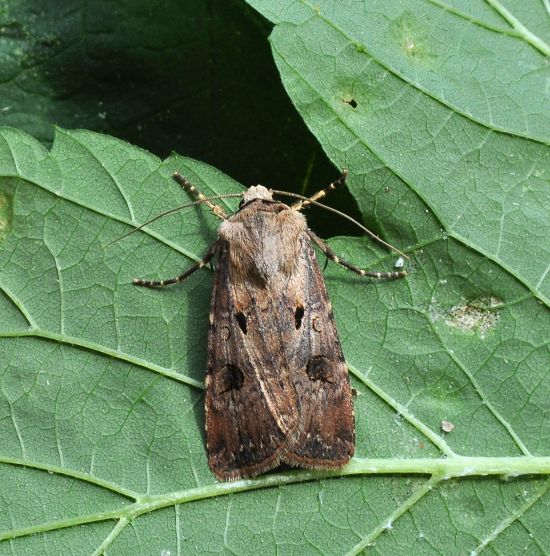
(257, 192)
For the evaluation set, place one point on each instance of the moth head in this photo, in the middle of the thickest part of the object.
(257, 192)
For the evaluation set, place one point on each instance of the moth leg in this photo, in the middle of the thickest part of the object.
(332, 255)
(192, 190)
(161, 283)
(299, 205)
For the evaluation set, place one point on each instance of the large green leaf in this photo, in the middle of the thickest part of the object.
(194, 77)
(101, 383)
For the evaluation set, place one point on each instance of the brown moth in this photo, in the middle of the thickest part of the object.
(277, 385)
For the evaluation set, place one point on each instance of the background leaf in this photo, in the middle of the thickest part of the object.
(194, 77)
(100, 381)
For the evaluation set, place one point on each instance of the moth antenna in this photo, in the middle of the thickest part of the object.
(192, 190)
(322, 192)
(172, 211)
(310, 201)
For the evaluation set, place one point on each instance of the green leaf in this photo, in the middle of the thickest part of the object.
(192, 77)
(101, 382)
(101, 414)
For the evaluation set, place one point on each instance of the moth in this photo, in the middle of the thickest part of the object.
(277, 385)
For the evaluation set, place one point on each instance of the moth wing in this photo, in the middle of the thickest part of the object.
(326, 437)
(251, 411)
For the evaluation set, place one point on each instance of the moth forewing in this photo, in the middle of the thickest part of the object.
(327, 436)
(251, 404)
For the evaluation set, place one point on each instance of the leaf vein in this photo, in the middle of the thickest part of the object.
(522, 31)
(387, 524)
(403, 411)
(103, 350)
(102, 166)
(108, 540)
(439, 468)
(511, 519)
(486, 402)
